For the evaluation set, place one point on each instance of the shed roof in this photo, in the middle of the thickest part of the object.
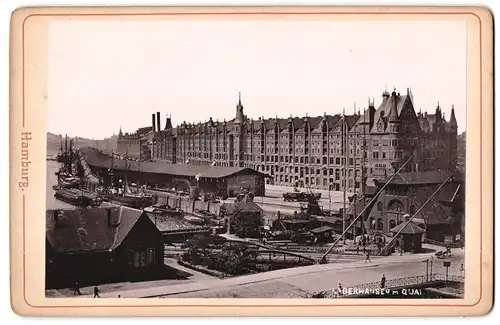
(98, 159)
(232, 208)
(296, 221)
(321, 229)
(89, 229)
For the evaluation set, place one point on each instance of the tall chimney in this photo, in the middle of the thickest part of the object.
(153, 123)
(158, 121)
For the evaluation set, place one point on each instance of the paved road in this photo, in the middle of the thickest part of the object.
(294, 282)
(324, 277)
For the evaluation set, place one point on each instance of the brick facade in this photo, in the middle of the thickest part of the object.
(308, 151)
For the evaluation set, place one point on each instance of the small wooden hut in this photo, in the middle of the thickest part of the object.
(411, 236)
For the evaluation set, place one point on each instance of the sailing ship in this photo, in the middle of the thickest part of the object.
(65, 176)
(124, 196)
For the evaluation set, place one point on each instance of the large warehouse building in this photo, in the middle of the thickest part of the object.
(215, 179)
(314, 150)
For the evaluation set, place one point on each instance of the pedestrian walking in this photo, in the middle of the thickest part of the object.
(76, 290)
(340, 289)
(357, 250)
(367, 257)
(382, 282)
(96, 292)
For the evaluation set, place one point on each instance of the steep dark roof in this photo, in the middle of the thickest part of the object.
(449, 192)
(351, 120)
(384, 110)
(437, 210)
(88, 230)
(98, 159)
(332, 120)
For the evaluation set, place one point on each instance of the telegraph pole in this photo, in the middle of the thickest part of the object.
(355, 163)
(363, 167)
(344, 171)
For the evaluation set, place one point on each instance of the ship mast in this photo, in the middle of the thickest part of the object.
(66, 152)
(111, 171)
(70, 158)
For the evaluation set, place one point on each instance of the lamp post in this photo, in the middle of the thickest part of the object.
(431, 262)
(330, 198)
(427, 270)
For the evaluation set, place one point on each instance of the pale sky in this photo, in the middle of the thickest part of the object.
(107, 74)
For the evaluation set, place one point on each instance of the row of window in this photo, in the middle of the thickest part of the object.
(312, 170)
(385, 155)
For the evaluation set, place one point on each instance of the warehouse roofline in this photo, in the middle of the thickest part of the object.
(96, 158)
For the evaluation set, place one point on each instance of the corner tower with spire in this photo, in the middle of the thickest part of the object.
(240, 117)
(238, 134)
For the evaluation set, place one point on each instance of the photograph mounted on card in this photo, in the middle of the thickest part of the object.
(251, 161)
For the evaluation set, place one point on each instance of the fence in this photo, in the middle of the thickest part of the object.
(390, 284)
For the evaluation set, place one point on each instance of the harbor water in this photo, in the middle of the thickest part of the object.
(51, 201)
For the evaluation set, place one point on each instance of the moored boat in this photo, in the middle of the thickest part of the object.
(133, 201)
(78, 197)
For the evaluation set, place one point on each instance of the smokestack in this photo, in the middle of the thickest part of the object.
(153, 123)
(158, 121)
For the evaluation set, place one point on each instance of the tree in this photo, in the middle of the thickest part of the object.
(246, 223)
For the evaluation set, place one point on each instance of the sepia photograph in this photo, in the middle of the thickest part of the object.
(236, 152)
(305, 158)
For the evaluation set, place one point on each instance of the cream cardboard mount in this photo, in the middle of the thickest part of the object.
(82, 73)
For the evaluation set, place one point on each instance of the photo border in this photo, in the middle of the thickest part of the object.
(19, 122)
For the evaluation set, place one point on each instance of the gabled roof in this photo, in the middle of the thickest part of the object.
(408, 229)
(95, 158)
(383, 112)
(332, 120)
(78, 230)
(232, 208)
(350, 120)
(314, 121)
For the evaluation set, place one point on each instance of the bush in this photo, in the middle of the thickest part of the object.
(229, 258)
(247, 225)
(320, 294)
